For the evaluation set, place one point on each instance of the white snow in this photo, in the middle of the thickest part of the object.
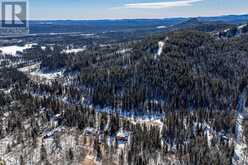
(239, 128)
(122, 133)
(13, 50)
(161, 27)
(76, 50)
(240, 146)
(161, 46)
(89, 34)
(6, 91)
(209, 136)
(148, 122)
(33, 70)
(123, 51)
(29, 68)
(49, 75)
(242, 26)
(226, 30)
(43, 47)
(160, 49)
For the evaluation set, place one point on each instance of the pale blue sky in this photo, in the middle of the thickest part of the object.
(119, 9)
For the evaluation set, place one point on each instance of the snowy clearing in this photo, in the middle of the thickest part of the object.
(161, 46)
(160, 49)
(48, 75)
(30, 68)
(13, 50)
(67, 51)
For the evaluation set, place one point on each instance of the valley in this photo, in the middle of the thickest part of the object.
(174, 95)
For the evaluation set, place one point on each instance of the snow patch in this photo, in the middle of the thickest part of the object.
(48, 75)
(242, 26)
(68, 50)
(161, 46)
(43, 47)
(160, 49)
(29, 68)
(13, 50)
(123, 51)
(87, 34)
(161, 27)
(240, 146)
(226, 30)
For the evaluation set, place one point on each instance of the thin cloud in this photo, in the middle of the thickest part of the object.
(159, 5)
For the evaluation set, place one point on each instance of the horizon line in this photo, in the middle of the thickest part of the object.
(116, 19)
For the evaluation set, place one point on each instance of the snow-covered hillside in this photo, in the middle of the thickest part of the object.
(240, 146)
(14, 50)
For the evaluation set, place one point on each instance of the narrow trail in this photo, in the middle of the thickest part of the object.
(240, 155)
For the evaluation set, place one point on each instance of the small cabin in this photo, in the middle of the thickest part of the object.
(122, 135)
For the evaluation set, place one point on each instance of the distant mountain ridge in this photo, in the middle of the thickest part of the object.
(231, 19)
(234, 19)
(144, 26)
(99, 26)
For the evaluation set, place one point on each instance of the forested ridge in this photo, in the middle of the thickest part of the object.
(195, 70)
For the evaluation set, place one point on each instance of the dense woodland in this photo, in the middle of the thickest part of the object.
(197, 86)
(194, 71)
(189, 142)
